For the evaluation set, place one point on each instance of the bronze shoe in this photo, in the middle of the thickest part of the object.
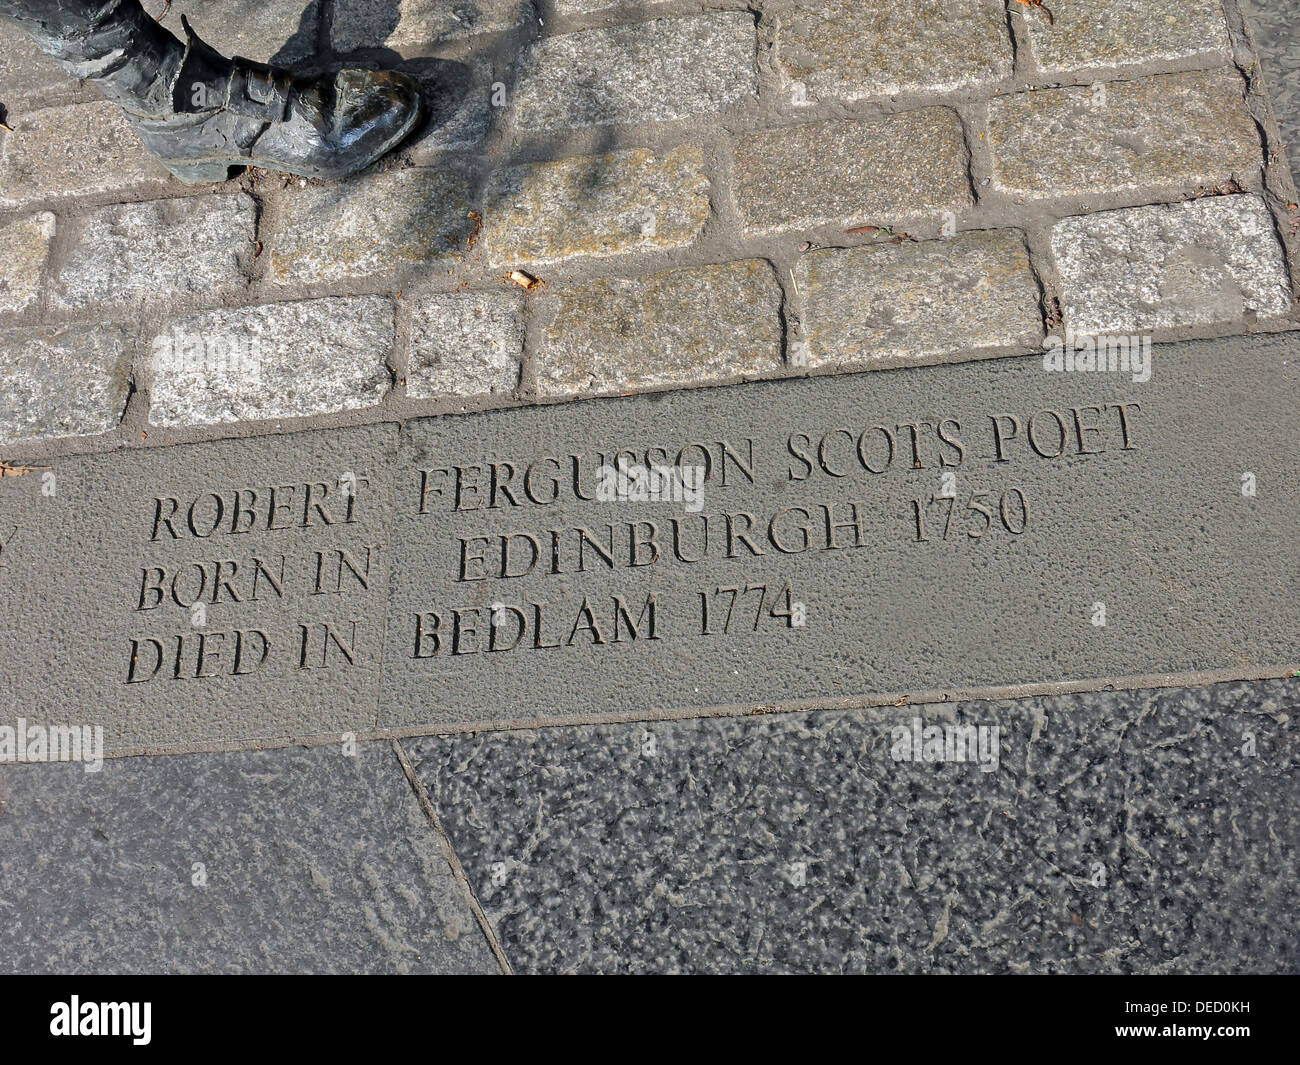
(234, 112)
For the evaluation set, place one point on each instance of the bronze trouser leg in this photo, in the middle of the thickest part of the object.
(130, 58)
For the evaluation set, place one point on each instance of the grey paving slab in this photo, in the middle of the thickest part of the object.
(285, 861)
(222, 592)
(1144, 832)
(930, 299)
(1096, 526)
(1277, 33)
(458, 101)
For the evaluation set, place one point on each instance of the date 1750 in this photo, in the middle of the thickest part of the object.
(946, 516)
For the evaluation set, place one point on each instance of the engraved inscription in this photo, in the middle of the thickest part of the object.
(497, 510)
(244, 583)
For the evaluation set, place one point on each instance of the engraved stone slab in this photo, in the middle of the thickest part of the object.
(798, 543)
(221, 592)
(929, 529)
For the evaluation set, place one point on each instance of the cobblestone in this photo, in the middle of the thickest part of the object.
(281, 360)
(24, 247)
(1178, 129)
(920, 300)
(1196, 263)
(62, 381)
(282, 33)
(879, 170)
(458, 99)
(678, 327)
(1123, 32)
(601, 205)
(26, 74)
(657, 71)
(465, 344)
(855, 49)
(416, 25)
(98, 152)
(157, 250)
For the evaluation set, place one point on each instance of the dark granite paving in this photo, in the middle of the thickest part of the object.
(1277, 32)
(1120, 832)
(314, 862)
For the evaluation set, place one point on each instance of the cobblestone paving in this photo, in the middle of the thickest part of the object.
(753, 191)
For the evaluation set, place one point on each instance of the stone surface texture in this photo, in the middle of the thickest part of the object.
(856, 49)
(994, 585)
(586, 149)
(115, 590)
(1277, 33)
(1119, 833)
(413, 26)
(26, 74)
(261, 862)
(920, 299)
(656, 71)
(465, 344)
(133, 253)
(358, 396)
(62, 381)
(602, 205)
(282, 360)
(24, 247)
(1176, 129)
(900, 167)
(266, 32)
(402, 219)
(1196, 263)
(1103, 33)
(98, 153)
(706, 324)
(458, 107)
